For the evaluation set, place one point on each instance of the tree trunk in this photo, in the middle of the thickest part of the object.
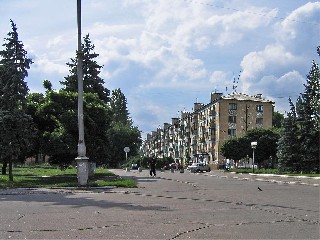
(10, 171)
(4, 168)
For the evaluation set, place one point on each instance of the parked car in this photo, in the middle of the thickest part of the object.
(134, 166)
(198, 167)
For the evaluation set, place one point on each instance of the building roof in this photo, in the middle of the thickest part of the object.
(245, 97)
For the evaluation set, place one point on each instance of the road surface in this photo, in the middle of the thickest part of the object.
(171, 206)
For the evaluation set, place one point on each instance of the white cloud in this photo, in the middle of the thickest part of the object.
(218, 76)
(182, 49)
(289, 83)
(58, 40)
(233, 27)
(202, 43)
(301, 27)
(256, 63)
(43, 64)
(284, 61)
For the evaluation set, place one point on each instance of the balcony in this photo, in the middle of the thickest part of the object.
(232, 112)
(259, 115)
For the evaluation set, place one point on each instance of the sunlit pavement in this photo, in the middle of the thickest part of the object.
(214, 205)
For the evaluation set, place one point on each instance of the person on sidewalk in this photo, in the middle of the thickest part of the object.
(152, 165)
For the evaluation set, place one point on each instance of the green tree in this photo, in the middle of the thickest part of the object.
(122, 133)
(267, 143)
(118, 106)
(235, 148)
(299, 145)
(121, 136)
(277, 119)
(239, 148)
(92, 83)
(16, 127)
(288, 145)
(309, 121)
(56, 116)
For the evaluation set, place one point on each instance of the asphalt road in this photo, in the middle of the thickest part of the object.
(172, 206)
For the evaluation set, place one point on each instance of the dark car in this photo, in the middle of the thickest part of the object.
(134, 166)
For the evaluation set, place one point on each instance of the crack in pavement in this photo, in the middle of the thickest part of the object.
(207, 225)
(261, 207)
(63, 230)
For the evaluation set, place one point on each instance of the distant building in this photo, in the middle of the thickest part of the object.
(198, 136)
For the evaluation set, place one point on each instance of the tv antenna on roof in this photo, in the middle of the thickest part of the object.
(235, 82)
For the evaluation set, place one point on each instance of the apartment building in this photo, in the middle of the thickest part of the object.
(198, 136)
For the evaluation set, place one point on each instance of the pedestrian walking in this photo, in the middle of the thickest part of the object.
(152, 165)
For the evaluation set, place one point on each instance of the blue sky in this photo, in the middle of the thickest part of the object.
(167, 54)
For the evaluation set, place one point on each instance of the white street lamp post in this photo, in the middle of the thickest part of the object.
(82, 160)
(253, 146)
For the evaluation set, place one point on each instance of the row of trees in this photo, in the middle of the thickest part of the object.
(295, 146)
(299, 145)
(45, 124)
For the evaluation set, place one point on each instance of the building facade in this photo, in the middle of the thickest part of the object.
(198, 136)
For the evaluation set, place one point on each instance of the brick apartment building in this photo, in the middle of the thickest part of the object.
(198, 136)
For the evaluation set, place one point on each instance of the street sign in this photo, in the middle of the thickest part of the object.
(126, 149)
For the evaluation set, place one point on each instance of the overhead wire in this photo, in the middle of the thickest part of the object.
(251, 12)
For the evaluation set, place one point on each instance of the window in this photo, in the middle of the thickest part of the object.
(259, 121)
(259, 108)
(232, 106)
(232, 119)
(232, 132)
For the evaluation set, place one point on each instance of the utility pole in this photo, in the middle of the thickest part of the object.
(82, 160)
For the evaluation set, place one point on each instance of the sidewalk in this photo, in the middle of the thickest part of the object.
(273, 178)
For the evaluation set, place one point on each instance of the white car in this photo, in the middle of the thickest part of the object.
(198, 167)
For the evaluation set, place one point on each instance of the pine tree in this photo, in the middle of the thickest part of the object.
(14, 65)
(288, 146)
(118, 105)
(17, 128)
(92, 83)
(299, 146)
(309, 121)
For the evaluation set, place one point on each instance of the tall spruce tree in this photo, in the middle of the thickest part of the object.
(14, 65)
(118, 105)
(92, 83)
(309, 121)
(16, 127)
(288, 146)
(299, 146)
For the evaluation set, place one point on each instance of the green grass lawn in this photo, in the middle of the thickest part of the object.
(34, 176)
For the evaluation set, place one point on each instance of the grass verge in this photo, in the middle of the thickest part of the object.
(52, 176)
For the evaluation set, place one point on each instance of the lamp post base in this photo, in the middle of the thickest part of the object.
(82, 170)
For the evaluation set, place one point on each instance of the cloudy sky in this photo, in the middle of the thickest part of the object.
(167, 54)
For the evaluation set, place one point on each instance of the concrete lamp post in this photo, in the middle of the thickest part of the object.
(82, 160)
(253, 146)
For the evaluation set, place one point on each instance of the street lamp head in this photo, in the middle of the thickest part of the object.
(253, 144)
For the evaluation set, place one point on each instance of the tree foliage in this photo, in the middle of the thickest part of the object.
(277, 119)
(239, 148)
(122, 136)
(17, 129)
(235, 149)
(288, 146)
(118, 106)
(56, 116)
(92, 83)
(300, 142)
